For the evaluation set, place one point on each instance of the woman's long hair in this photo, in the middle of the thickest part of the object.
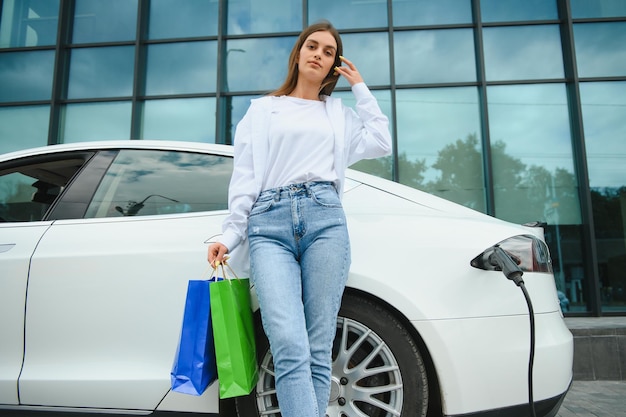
(329, 83)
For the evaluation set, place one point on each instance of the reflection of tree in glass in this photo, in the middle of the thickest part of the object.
(523, 193)
(17, 192)
(383, 167)
(8, 189)
(12, 191)
(609, 212)
(461, 178)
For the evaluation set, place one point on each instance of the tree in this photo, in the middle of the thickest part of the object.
(411, 172)
(461, 177)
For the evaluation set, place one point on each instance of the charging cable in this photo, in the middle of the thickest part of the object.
(500, 258)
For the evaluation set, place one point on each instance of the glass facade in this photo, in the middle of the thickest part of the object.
(515, 108)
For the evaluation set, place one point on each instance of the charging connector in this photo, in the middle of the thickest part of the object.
(509, 268)
(500, 259)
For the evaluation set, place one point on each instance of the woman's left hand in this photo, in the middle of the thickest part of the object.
(350, 72)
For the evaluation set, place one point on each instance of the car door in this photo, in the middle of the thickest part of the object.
(27, 191)
(106, 291)
(17, 244)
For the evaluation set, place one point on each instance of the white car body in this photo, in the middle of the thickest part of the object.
(90, 309)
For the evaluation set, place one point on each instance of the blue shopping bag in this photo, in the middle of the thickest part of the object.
(194, 364)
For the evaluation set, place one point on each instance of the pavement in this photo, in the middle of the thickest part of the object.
(599, 397)
(595, 399)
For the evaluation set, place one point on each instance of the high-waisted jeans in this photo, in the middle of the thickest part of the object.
(299, 258)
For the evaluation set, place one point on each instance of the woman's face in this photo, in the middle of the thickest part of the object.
(317, 56)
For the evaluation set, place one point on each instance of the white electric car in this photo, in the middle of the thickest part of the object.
(98, 241)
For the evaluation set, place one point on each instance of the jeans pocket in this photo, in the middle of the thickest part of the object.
(326, 197)
(262, 205)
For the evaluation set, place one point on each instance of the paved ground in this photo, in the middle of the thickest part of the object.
(595, 399)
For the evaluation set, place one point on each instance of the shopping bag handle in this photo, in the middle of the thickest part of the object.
(225, 263)
(221, 264)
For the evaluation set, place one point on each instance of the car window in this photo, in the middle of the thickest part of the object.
(29, 188)
(149, 182)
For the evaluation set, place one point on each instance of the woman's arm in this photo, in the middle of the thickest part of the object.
(368, 128)
(241, 195)
(369, 135)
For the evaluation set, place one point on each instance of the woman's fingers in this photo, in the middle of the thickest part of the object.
(350, 71)
(348, 62)
(217, 252)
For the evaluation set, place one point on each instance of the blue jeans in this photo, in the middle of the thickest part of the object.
(299, 259)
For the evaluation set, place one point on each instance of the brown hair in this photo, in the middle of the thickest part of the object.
(328, 85)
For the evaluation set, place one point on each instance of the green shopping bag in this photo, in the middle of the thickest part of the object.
(233, 335)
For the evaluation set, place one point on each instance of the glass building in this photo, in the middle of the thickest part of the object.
(516, 108)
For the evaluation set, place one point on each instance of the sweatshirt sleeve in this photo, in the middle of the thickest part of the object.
(369, 135)
(241, 191)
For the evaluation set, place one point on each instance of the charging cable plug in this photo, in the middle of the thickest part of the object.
(509, 268)
(502, 260)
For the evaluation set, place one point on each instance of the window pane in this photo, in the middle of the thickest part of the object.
(533, 172)
(257, 64)
(517, 10)
(431, 56)
(235, 108)
(105, 21)
(523, 53)
(23, 127)
(600, 49)
(372, 62)
(381, 167)
(349, 14)
(95, 121)
(26, 76)
(532, 153)
(101, 72)
(180, 119)
(603, 107)
(21, 200)
(431, 12)
(30, 188)
(597, 8)
(181, 68)
(439, 145)
(253, 16)
(142, 182)
(181, 19)
(28, 23)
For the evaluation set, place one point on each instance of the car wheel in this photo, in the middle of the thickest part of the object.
(377, 368)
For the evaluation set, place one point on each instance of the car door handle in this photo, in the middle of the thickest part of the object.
(5, 247)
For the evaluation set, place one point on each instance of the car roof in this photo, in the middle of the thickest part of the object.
(405, 192)
(121, 144)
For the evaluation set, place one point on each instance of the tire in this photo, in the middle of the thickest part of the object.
(377, 368)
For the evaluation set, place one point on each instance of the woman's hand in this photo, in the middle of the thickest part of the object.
(350, 72)
(217, 251)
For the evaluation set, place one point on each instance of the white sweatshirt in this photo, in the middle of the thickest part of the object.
(363, 134)
(301, 143)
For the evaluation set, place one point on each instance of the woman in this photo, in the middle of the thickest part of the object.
(291, 151)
